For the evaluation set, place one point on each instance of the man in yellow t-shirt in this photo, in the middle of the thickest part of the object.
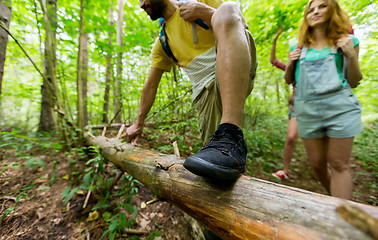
(221, 65)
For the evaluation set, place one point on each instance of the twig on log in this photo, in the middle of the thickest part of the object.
(91, 135)
(103, 131)
(359, 218)
(176, 149)
(120, 131)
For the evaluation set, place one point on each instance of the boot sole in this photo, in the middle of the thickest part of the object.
(205, 169)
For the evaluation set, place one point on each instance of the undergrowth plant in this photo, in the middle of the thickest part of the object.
(265, 140)
(95, 179)
(366, 150)
(366, 147)
(11, 209)
(22, 146)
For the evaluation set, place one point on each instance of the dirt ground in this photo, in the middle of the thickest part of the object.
(41, 214)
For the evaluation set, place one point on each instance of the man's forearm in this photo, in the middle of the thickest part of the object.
(146, 102)
(148, 95)
(204, 12)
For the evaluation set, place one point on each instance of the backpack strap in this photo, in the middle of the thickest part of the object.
(200, 23)
(344, 63)
(164, 39)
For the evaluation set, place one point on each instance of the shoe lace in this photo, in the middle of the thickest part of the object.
(225, 142)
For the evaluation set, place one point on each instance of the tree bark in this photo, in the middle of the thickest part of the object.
(47, 121)
(109, 69)
(50, 88)
(118, 81)
(84, 76)
(79, 80)
(249, 209)
(5, 17)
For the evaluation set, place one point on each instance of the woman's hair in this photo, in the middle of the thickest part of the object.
(338, 24)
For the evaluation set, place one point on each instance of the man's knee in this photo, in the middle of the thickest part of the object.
(228, 15)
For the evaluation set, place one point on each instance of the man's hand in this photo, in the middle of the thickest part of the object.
(188, 10)
(133, 132)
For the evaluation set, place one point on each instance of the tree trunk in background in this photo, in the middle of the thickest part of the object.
(84, 75)
(278, 91)
(50, 88)
(47, 118)
(5, 17)
(117, 90)
(109, 70)
(79, 82)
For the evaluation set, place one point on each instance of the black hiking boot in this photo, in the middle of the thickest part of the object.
(223, 158)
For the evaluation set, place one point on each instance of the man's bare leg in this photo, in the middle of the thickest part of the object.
(224, 157)
(233, 61)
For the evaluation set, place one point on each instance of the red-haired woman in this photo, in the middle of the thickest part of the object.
(328, 114)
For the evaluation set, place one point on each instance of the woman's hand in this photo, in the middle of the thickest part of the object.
(290, 68)
(294, 55)
(346, 45)
(353, 71)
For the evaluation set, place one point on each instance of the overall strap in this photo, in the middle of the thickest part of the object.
(303, 53)
(344, 63)
(333, 50)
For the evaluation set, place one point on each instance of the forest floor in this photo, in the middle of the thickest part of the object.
(39, 213)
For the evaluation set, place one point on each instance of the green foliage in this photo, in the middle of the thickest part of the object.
(95, 179)
(366, 147)
(265, 135)
(33, 162)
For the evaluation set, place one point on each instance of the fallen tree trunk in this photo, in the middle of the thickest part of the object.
(248, 209)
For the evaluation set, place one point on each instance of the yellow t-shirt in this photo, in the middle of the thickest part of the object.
(180, 40)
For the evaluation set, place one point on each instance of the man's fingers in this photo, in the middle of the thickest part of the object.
(135, 142)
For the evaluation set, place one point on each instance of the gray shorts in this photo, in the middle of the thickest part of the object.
(336, 116)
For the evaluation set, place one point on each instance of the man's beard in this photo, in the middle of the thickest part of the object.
(157, 9)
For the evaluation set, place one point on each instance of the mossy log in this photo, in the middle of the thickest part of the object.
(250, 208)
